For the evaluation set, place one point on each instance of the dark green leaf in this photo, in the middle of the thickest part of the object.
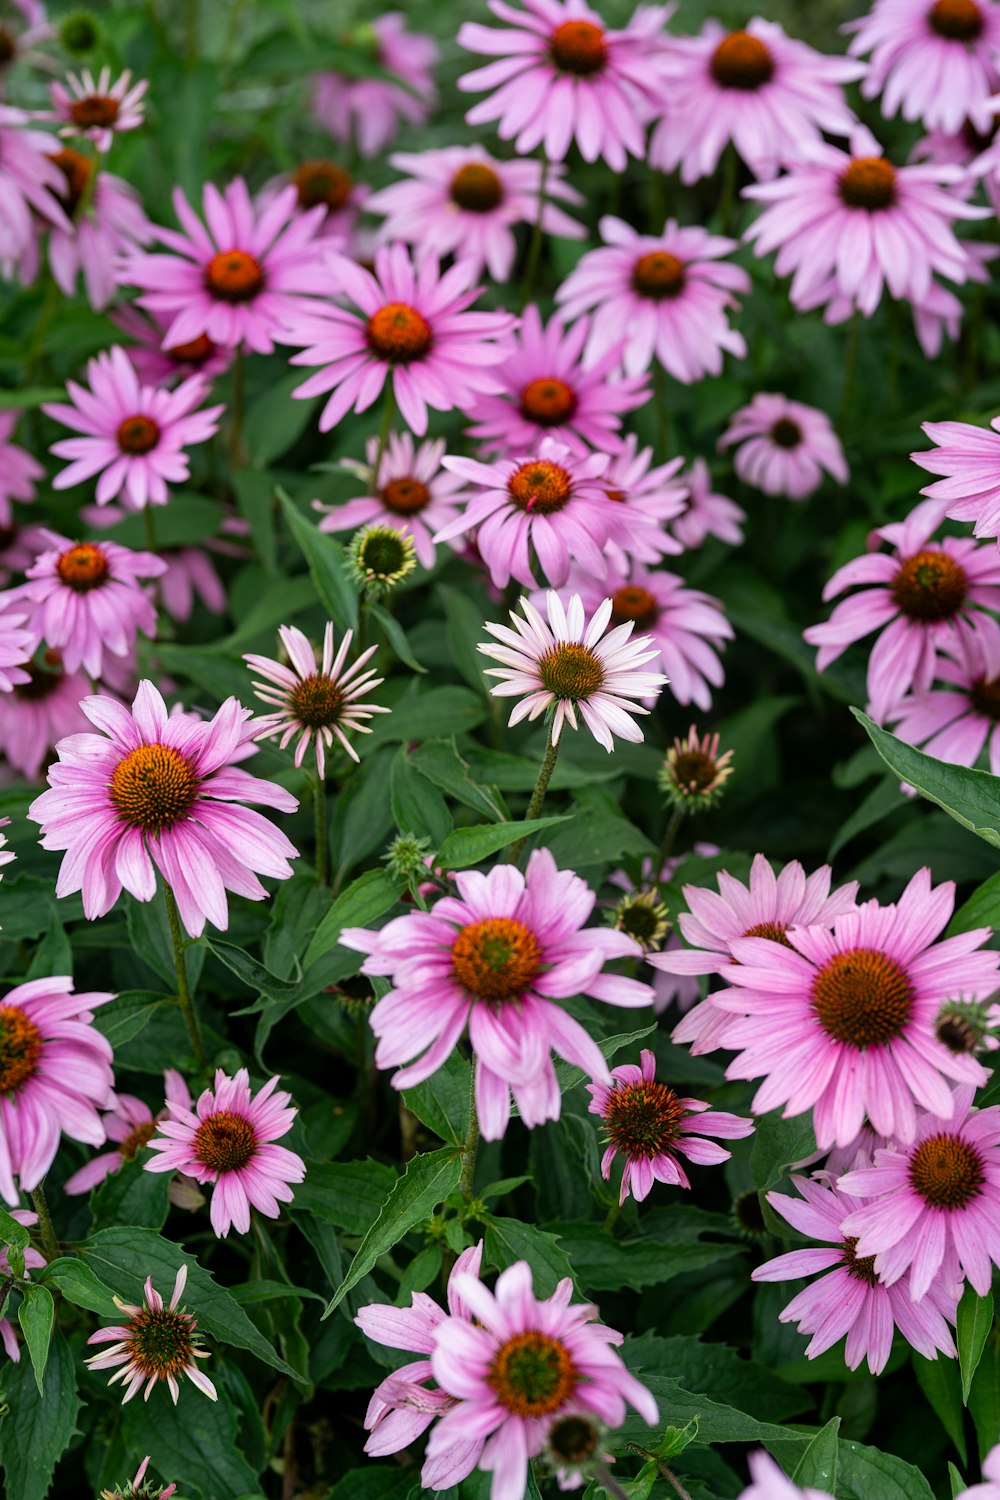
(818, 1465)
(701, 1365)
(132, 1196)
(981, 910)
(194, 1443)
(508, 1241)
(463, 631)
(865, 1472)
(984, 1397)
(442, 1103)
(276, 419)
(422, 716)
(602, 1263)
(395, 635)
(975, 1319)
(441, 763)
(777, 1145)
(12, 1233)
(348, 1195)
(326, 566)
(36, 1434)
(469, 846)
(417, 806)
(941, 1384)
(374, 1482)
(36, 1316)
(972, 798)
(364, 901)
(79, 1285)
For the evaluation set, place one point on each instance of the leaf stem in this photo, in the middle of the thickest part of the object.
(388, 413)
(184, 999)
(668, 1474)
(319, 816)
(236, 455)
(45, 1228)
(676, 819)
(471, 1147)
(537, 234)
(538, 795)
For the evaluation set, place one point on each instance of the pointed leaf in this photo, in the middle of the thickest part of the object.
(817, 1467)
(975, 1319)
(36, 1315)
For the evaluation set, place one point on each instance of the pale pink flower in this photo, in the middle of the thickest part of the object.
(131, 1125)
(769, 1483)
(105, 221)
(991, 1473)
(190, 576)
(30, 184)
(968, 459)
(652, 500)
(97, 108)
(412, 492)
(159, 1342)
(156, 365)
(706, 513)
(17, 646)
(22, 24)
(784, 446)
(371, 111)
(19, 546)
(19, 472)
(39, 713)
(33, 1259)
(956, 722)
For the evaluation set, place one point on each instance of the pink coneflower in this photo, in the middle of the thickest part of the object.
(412, 328)
(706, 513)
(30, 183)
(955, 723)
(316, 699)
(370, 111)
(131, 1125)
(769, 1483)
(105, 223)
(852, 1299)
(17, 646)
(693, 774)
(55, 1074)
(651, 1126)
(552, 502)
(968, 458)
(33, 1260)
(39, 713)
(412, 492)
(784, 446)
(667, 988)
(571, 667)
(158, 792)
(159, 1342)
(936, 1212)
(922, 597)
(322, 183)
(133, 435)
(240, 280)
(97, 108)
(19, 472)
(138, 1489)
(991, 1472)
(931, 60)
(19, 32)
(517, 1365)
(546, 391)
(228, 1141)
(190, 576)
(156, 365)
(762, 90)
(652, 499)
(664, 296)
(842, 1022)
(85, 598)
(461, 201)
(561, 76)
(897, 222)
(496, 957)
(19, 546)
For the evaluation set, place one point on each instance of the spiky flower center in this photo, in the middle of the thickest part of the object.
(774, 931)
(741, 61)
(40, 685)
(496, 959)
(225, 1142)
(322, 182)
(234, 276)
(862, 998)
(930, 585)
(634, 603)
(160, 1343)
(153, 787)
(578, 47)
(574, 1441)
(693, 771)
(571, 671)
(94, 110)
(957, 1032)
(83, 567)
(540, 486)
(785, 433)
(984, 695)
(136, 1139)
(317, 701)
(476, 188)
(532, 1374)
(659, 275)
(399, 334)
(20, 1048)
(861, 1267)
(643, 917)
(384, 555)
(868, 182)
(643, 1119)
(194, 352)
(138, 434)
(957, 20)
(405, 497)
(947, 1171)
(548, 401)
(75, 168)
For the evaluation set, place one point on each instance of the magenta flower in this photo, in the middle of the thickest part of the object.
(652, 500)
(105, 222)
(842, 1022)
(19, 33)
(968, 459)
(33, 1260)
(55, 1074)
(240, 280)
(852, 1299)
(562, 76)
(765, 92)
(159, 1342)
(228, 1141)
(991, 1472)
(784, 446)
(97, 108)
(651, 1126)
(955, 722)
(17, 647)
(370, 111)
(461, 201)
(322, 183)
(413, 328)
(570, 667)
(495, 958)
(706, 513)
(936, 1201)
(546, 390)
(133, 435)
(931, 60)
(190, 576)
(158, 792)
(131, 1125)
(39, 713)
(19, 472)
(665, 296)
(411, 492)
(30, 183)
(156, 365)
(923, 598)
(85, 598)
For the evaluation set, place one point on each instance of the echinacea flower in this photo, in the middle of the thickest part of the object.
(562, 76)
(30, 183)
(134, 436)
(131, 1125)
(922, 598)
(643, 916)
(851, 1299)
(660, 296)
(842, 1022)
(411, 327)
(545, 389)
(379, 557)
(571, 667)
(461, 201)
(33, 1260)
(991, 1473)
(97, 108)
(320, 182)
(667, 988)
(22, 24)
(55, 1074)
(156, 365)
(228, 1141)
(159, 1342)
(40, 712)
(190, 576)
(651, 1126)
(158, 792)
(706, 513)
(137, 1488)
(19, 471)
(652, 499)
(411, 492)
(316, 699)
(693, 772)
(956, 721)
(573, 1449)
(17, 646)
(770, 1483)
(968, 459)
(368, 112)
(496, 958)
(784, 446)
(106, 222)
(758, 88)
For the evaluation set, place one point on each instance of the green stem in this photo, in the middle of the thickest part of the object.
(190, 33)
(727, 196)
(471, 1146)
(147, 515)
(851, 347)
(537, 235)
(668, 1474)
(609, 1485)
(359, 634)
(236, 427)
(388, 413)
(676, 819)
(538, 795)
(609, 1222)
(5, 1287)
(319, 815)
(184, 999)
(45, 1228)
(664, 427)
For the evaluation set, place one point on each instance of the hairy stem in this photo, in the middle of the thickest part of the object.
(319, 816)
(538, 795)
(670, 834)
(537, 235)
(184, 999)
(45, 1229)
(471, 1146)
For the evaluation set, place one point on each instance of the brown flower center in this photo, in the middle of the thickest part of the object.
(985, 697)
(957, 1033)
(947, 1171)
(868, 182)
(75, 168)
(548, 401)
(20, 1048)
(138, 434)
(785, 433)
(694, 771)
(322, 182)
(225, 1142)
(775, 931)
(8, 49)
(496, 959)
(96, 109)
(741, 61)
(571, 671)
(659, 275)
(532, 1374)
(957, 20)
(930, 586)
(862, 998)
(160, 1343)
(476, 188)
(234, 276)
(404, 497)
(137, 1139)
(574, 1440)
(194, 352)
(317, 701)
(40, 683)
(634, 603)
(83, 567)
(643, 1119)
(578, 47)
(540, 486)
(862, 1268)
(398, 333)
(153, 787)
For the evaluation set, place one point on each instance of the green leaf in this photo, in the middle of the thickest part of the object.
(509, 1240)
(128, 1014)
(364, 901)
(276, 419)
(417, 806)
(777, 1145)
(255, 498)
(375, 1482)
(463, 631)
(972, 798)
(441, 763)
(981, 910)
(30, 396)
(349, 1195)
(975, 1319)
(941, 1384)
(701, 1365)
(132, 1196)
(395, 635)
(194, 1442)
(958, 1484)
(469, 846)
(422, 716)
(12, 1233)
(984, 1397)
(818, 1465)
(326, 566)
(78, 1284)
(38, 1431)
(442, 1102)
(36, 1316)
(185, 522)
(427, 1181)
(602, 1263)
(865, 1472)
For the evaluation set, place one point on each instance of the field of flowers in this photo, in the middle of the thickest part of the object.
(499, 750)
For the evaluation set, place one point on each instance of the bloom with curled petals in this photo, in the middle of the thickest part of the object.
(784, 447)
(130, 1125)
(159, 1342)
(33, 1260)
(96, 107)
(968, 459)
(138, 1488)
(705, 513)
(19, 472)
(411, 492)
(370, 111)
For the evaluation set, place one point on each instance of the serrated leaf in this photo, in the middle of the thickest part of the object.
(80, 1285)
(972, 798)
(195, 1442)
(38, 1432)
(12, 1233)
(346, 1194)
(817, 1467)
(442, 1101)
(469, 846)
(602, 1263)
(36, 1316)
(509, 1240)
(974, 1321)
